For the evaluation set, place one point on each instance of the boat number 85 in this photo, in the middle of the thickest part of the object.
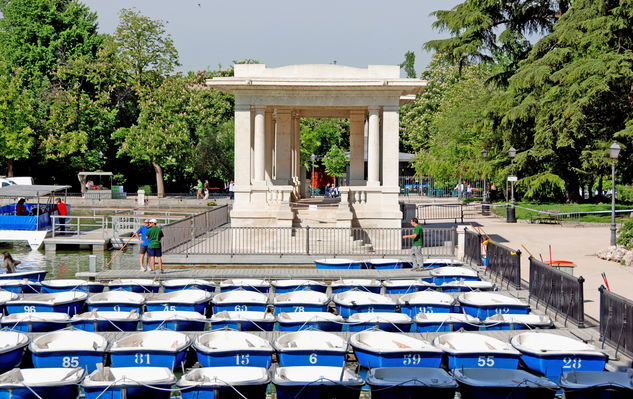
(485, 361)
(411, 359)
(70, 361)
(571, 363)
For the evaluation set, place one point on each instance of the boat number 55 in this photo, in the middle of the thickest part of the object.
(411, 359)
(485, 361)
(70, 361)
(571, 363)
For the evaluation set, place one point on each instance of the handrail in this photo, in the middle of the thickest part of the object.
(78, 226)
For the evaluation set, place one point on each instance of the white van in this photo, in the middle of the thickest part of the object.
(10, 181)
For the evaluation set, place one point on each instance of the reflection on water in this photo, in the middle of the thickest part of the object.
(65, 263)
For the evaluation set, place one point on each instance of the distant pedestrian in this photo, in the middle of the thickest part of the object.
(154, 235)
(231, 189)
(206, 189)
(61, 211)
(9, 262)
(199, 187)
(418, 242)
(141, 235)
(20, 208)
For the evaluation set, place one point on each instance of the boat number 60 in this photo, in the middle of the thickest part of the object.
(571, 363)
(411, 359)
(70, 361)
(485, 361)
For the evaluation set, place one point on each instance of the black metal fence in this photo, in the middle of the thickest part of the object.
(472, 247)
(616, 321)
(192, 227)
(557, 290)
(504, 263)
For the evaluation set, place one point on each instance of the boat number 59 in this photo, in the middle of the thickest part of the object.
(411, 359)
(485, 361)
(70, 361)
(571, 363)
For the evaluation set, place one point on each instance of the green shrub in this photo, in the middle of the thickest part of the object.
(147, 188)
(625, 235)
(624, 193)
(468, 200)
(211, 203)
(543, 187)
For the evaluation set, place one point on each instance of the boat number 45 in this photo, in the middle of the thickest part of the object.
(411, 359)
(571, 363)
(485, 361)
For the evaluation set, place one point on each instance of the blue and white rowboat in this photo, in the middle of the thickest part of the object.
(6, 296)
(68, 349)
(432, 263)
(240, 301)
(61, 285)
(401, 286)
(395, 322)
(356, 284)
(310, 382)
(35, 322)
(140, 285)
(243, 321)
(224, 382)
(553, 354)
(481, 383)
(350, 302)
(310, 348)
(472, 350)
(445, 274)
(597, 384)
(297, 321)
(301, 301)
(158, 348)
(467, 286)
(116, 301)
(96, 321)
(21, 286)
(248, 284)
(175, 321)
(445, 322)
(41, 383)
(129, 383)
(388, 349)
(69, 302)
(410, 383)
(425, 302)
(339, 264)
(516, 322)
(486, 304)
(12, 346)
(232, 348)
(385, 264)
(282, 286)
(31, 275)
(188, 284)
(184, 300)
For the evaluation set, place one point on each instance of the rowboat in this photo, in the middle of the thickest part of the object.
(35, 322)
(315, 382)
(350, 302)
(31, 275)
(301, 301)
(12, 346)
(41, 383)
(597, 384)
(297, 321)
(410, 383)
(193, 300)
(224, 382)
(20, 286)
(129, 383)
(117, 301)
(96, 321)
(6, 296)
(173, 320)
(486, 304)
(385, 264)
(472, 350)
(248, 284)
(188, 284)
(432, 263)
(69, 302)
(68, 349)
(356, 284)
(158, 348)
(443, 322)
(516, 322)
(243, 321)
(425, 302)
(400, 286)
(310, 348)
(339, 264)
(499, 383)
(240, 301)
(466, 286)
(388, 349)
(445, 274)
(139, 285)
(282, 286)
(396, 322)
(61, 285)
(232, 348)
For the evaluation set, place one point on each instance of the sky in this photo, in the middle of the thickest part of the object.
(209, 33)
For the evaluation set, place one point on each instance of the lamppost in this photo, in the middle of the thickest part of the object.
(312, 158)
(510, 212)
(614, 151)
(485, 204)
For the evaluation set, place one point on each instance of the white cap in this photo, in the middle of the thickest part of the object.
(153, 221)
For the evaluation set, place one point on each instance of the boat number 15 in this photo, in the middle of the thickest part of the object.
(485, 361)
(242, 360)
(411, 359)
(571, 363)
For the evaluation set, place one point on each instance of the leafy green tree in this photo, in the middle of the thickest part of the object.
(335, 162)
(214, 153)
(409, 64)
(318, 136)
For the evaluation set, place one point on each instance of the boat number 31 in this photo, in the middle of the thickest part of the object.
(571, 363)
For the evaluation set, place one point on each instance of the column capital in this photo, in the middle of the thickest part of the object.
(259, 108)
(242, 107)
(391, 108)
(357, 116)
(373, 109)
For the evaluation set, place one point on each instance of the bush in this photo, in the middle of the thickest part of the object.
(625, 235)
(624, 193)
(468, 200)
(544, 187)
(211, 203)
(147, 188)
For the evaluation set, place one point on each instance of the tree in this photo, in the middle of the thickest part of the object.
(409, 64)
(318, 136)
(214, 153)
(335, 162)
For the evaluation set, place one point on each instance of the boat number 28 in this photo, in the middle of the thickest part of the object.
(411, 359)
(571, 363)
(485, 361)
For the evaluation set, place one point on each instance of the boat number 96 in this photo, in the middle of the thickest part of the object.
(70, 361)
(485, 361)
(411, 359)
(571, 363)
(29, 309)
(242, 360)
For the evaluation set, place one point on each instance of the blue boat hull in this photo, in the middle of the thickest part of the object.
(438, 280)
(21, 288)
(134, 288)
(483, 312)
(84, 359)
(239, 307)
(311, 325)
(180, 307)
(300, 307)
(233, 358)
(503, 384)
(311, 358)
(131, 392)
(91, 289)
(409, 383)
(227, 288)
(384, 326)
(243, 325)
(204, 287)
(175, 325)
(144, 358)
(71, 308)
(347, 311)
(115, 307)
(35, 326)
(400, 290)
(11, 359)
(35, 276)
(61, 392)
(470, 392)
(473, 361)
(553, 366)
(370, 360)
(343, 288)
(293, 288)
(346, 266)
(105, 325)
(412, 310)
(224, 392)
(387, 266)
(316, 391)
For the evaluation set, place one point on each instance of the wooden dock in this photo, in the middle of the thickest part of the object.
(98, 240)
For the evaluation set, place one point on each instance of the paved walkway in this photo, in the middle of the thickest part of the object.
(575, 242)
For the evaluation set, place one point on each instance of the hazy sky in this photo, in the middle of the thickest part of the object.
(284, 32)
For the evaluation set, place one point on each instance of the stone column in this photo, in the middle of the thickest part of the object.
(282, 149)
(373, 149)
(242, 154)
(260, 145)
(356, 148)
(270, 139)
(296, 166)
(390, 146)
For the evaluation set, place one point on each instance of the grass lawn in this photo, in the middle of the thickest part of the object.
(569, 208)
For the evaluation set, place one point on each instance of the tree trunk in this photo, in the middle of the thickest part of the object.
(572, 191)
(82, 184)
(9, 167)
(160, 186)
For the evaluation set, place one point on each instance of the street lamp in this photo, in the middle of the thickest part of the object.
(510, 211)
(614, 151)
(485, 204)
(312, 158)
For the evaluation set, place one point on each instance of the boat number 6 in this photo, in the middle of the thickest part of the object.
(70, 361)
(571, 363)
(411, 359)
(29, 309)
(485, 361)
(313, 358)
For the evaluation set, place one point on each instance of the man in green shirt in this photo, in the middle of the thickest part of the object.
(418, 242)
(154, 235)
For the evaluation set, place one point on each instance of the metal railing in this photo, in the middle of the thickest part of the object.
(616, 321)
(74, 225)
(557, 290)
(327, 241)
(504, 263)
(190, 228)
(447, 211)
(472, 247)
